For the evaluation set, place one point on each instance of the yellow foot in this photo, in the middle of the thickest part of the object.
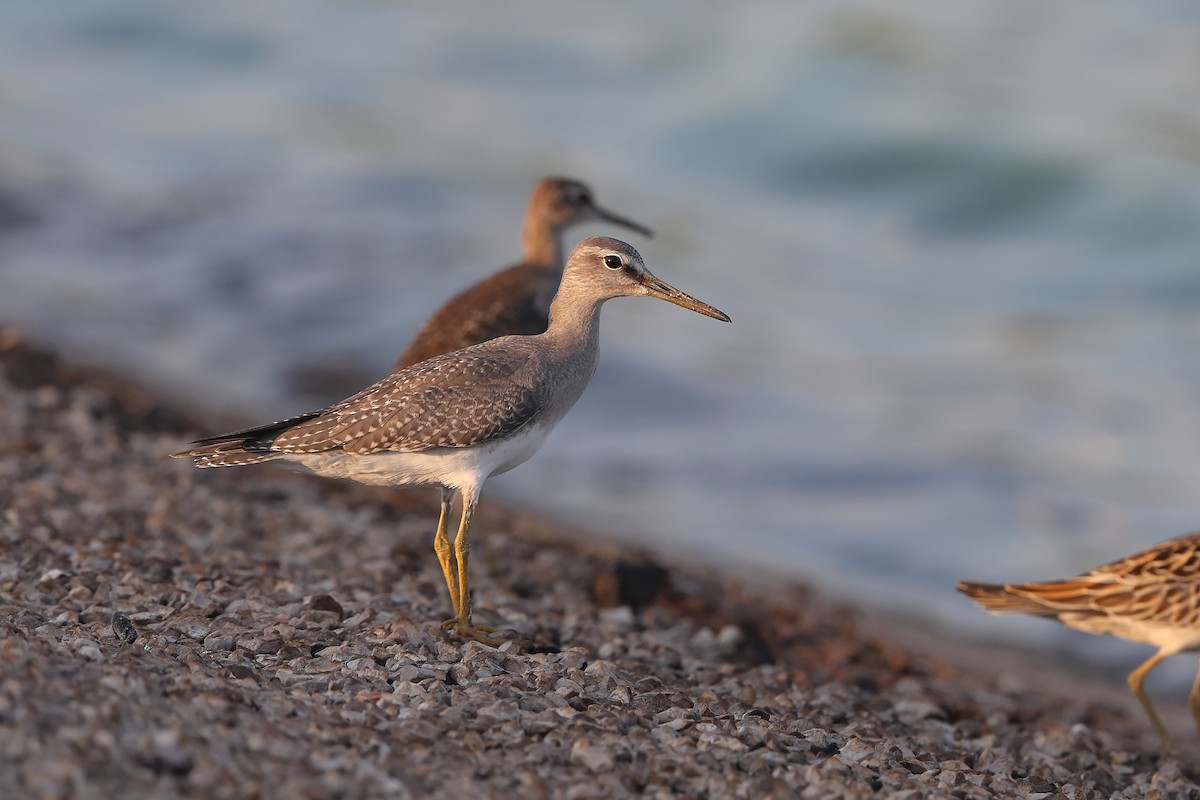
(467, 630)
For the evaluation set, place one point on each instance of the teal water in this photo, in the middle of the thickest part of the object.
(960, 244)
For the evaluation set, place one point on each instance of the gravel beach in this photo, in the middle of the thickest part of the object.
(169, 632)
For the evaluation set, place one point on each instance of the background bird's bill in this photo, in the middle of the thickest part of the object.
(625, 222)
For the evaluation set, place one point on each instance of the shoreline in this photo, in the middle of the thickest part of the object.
(287, 644)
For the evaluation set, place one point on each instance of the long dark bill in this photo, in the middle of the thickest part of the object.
(662, 289)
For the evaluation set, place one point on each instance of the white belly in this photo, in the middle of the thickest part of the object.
(1172, 638)
(453, 467)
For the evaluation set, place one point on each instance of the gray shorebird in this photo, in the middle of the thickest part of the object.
(455, 419)
(1151, 597)
(515, 300)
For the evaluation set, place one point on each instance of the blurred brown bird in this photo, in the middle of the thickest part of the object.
(515, 300)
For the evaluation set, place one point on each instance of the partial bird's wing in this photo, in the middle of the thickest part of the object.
(1178, 559)
(1160, 584)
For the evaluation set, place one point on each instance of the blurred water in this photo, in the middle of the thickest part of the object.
(958, 242)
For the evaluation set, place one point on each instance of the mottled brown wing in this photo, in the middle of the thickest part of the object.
(1160, 584)
(1177, 558)
(503, 304)
(1162, 600)
(456, 400)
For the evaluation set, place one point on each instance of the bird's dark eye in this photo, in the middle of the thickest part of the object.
(612, 262)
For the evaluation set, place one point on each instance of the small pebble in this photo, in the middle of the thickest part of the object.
(123, 627)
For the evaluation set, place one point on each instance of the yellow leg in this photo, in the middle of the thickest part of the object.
(1135, 680)
(461, 623)
(441, 545)
(1194, 701)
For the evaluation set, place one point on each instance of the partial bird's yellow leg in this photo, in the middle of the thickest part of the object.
(1135, 680)
(461, 623)
(1194, 701)
(445, 553)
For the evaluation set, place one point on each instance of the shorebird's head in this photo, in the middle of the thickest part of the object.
(563, 202)
(602, 268)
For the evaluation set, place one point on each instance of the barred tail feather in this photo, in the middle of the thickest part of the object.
(260, 432)
(999, 599)
(225, 454)
(247, 446)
